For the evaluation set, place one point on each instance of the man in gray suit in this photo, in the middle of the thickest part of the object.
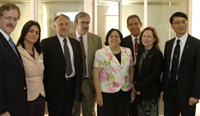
(90, 43)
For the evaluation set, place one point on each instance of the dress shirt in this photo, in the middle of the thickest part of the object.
(71, 54)
(133, 40)
(182, 44)
(85, 42)
(6, 36)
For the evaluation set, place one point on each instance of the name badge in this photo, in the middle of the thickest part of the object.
(39, 60)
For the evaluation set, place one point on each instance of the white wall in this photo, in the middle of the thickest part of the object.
(195, 28)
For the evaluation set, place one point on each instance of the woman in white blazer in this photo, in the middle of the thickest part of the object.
(32, 57)
(113, 75)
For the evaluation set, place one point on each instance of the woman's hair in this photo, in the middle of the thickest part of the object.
(108, 34)
(155, 35)
(25, 30)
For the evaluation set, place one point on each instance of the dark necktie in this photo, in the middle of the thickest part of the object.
(14, 49)
(67, 58)
(136, 48)
(84, 57)
(175, 62)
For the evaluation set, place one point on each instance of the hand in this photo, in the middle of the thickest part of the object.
(100, 100)
(161, 95)
(137, 92)
(193, 101)
(5, 114)
(132, 96)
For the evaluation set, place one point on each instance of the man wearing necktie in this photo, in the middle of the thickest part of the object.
(131, 41)
(13, 93)
(63, 69)
(90, 43)
(181, 75)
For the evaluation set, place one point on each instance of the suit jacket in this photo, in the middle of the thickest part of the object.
(13, 94)
(115, 75)
(33, 72)
(188, 83)
(148, 83)
(55, 68)
(127, 42)
(94, 43)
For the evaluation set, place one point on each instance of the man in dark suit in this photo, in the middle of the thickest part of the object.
(13, 94)
(134, 25)
(181, 76)
(63, 69)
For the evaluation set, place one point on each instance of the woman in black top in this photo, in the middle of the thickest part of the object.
(147, 73)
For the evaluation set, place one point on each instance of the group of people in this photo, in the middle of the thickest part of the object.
(71, 70)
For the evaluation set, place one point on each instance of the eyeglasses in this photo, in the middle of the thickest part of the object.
(180, 22)
(84, 23)
(116, 36)
(11, 18)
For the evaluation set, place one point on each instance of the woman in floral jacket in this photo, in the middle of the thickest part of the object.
(113, 75)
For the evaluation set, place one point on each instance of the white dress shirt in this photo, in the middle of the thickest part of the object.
(133, 40)
(182, 45)
(71, 54)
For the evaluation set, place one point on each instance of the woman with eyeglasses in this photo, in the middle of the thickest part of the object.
(32, 57)
(113, 74)
(147, 73)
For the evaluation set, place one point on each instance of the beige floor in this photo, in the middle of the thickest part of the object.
(161, 112)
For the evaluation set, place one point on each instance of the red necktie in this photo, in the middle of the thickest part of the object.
(136, 48)
(84, 56)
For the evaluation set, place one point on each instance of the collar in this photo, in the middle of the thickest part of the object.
(182, 38)
(78, 35)
(25, 53)
(108, 50)
(5, 35)
(61, 38)
(133, 38)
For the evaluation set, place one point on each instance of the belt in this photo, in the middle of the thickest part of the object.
(69, 78)
(86, 78)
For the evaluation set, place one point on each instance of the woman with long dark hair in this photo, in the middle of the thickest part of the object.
(32, 57)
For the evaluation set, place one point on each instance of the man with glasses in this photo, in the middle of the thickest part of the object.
(13, 93)
(90, 43)
(181, 75)
(134, 25)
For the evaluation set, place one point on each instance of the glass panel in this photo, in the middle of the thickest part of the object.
(24, 7)
(159, 12)
(178, 6)
(107, 18)
(49, 9)
(130, 7)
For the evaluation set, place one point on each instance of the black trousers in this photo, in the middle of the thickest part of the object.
(115, 104)
(133, 111)
(64, 108)
(173, 107)
(36, 107)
